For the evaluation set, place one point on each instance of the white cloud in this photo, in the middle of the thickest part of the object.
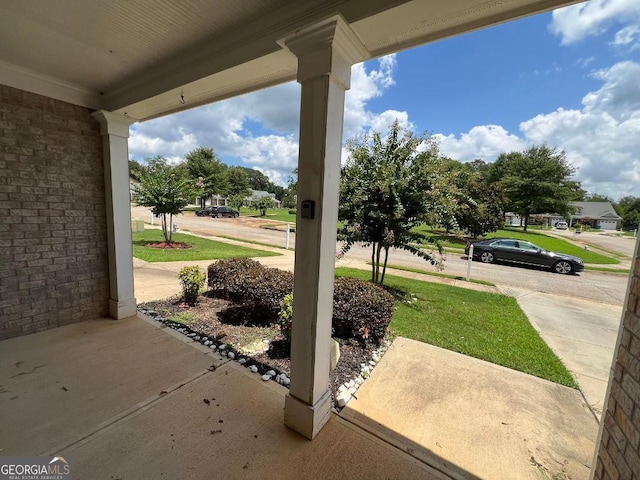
(601, 139)
(594, 17)
(628, 38)
(483, 142)
(261, 128)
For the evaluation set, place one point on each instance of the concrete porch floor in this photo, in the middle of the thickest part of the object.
(126, 400)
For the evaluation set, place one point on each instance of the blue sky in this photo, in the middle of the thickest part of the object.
(570, 79)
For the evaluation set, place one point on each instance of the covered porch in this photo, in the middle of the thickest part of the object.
(74, 77)
(133, 399)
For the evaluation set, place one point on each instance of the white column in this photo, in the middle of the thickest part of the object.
(115, 136)
(325, 54)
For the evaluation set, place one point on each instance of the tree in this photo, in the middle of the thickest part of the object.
(483, 211)
(537, 180)
(629, 209)
(238, 182)
(237, 201)
(262, 204)
(135, 170)
(596, 197)
(257, 180)
(203, 166)
(387, 188)
(167, 192)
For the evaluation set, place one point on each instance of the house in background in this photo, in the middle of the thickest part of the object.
(257, 194)
(599, 215)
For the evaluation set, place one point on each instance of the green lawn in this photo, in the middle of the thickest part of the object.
(281, 214)
(537, 237)
(483, 325)
(201, 248)
(436, 274)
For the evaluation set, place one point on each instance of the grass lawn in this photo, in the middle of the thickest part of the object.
(435, 274)
(281, 214)
(482, 325)
(201, 248)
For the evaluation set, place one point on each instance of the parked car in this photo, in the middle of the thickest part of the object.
(205, 212)
(515, 251)
(221, 212)
(561, 225)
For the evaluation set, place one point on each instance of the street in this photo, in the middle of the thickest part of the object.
(602, 287)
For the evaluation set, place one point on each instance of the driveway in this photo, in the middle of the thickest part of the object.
(582, 333)
(607, 240)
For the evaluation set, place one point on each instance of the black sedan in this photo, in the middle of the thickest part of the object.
(511, 250)
(225, 212)
(205, 212)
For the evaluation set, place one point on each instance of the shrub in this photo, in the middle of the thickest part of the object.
(292, 211)
(285, 316)
(228, 277)
(267, 290)
(192, 279)
(361, 310)
(248, 282)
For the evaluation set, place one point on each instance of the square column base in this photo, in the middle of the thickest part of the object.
(123, 308)
(306, 419)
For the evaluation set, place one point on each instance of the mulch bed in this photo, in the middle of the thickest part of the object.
(167, 245)
(235, 325)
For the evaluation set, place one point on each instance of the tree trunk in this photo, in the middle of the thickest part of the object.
(164, 228)
(373, 263)
(526, 221)
(378, 250)
(384, 268)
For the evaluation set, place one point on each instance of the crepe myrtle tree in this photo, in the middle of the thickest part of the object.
(167, 191)
(262, 204)
(389, 185)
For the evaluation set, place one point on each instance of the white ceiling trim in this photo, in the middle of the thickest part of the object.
(23, 79)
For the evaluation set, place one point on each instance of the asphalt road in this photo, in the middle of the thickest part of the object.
(594, 286)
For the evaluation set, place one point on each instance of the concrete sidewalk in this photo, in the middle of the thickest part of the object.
(494, 422)
(582, 334)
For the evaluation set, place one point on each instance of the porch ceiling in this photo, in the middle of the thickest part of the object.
(140, 56)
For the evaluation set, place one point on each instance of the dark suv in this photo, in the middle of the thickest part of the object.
(221, 212)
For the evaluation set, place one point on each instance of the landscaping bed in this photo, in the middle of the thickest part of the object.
(224, 322)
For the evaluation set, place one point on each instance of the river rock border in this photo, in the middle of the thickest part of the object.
(341, 396)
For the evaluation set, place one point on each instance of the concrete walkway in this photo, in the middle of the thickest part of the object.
(583, 334)
(494, 422)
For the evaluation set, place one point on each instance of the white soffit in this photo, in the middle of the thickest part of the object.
(141, 56)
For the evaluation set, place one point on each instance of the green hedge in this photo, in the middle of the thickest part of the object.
(361, 310)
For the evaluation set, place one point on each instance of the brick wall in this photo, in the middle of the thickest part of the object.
(618, 455)
(53, 241)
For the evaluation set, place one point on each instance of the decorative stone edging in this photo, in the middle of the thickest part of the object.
(342, 395)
